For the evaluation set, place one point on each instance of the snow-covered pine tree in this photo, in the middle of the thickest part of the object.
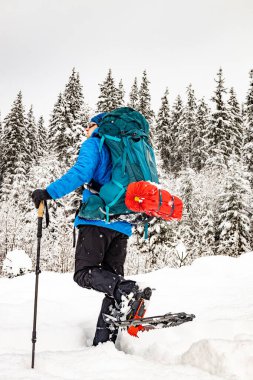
(16, 164)
(188, 131)
(176, 121)
(31, 135)
(202, 124)
(76, 116)
(235, 207)
(164, 139)
(15, 160)
(57, 130)
(218, 145)
(108, 99)
(121, 94)
(73, 95)
(134, 96)
(145, 100)
(235, 132)
(248, 144)
(66, 126)
(66, 132)
(58, 142)
(42, 139)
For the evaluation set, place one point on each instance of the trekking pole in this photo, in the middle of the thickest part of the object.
(37, 272)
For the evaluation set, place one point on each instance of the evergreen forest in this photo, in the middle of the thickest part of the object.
(204, 152)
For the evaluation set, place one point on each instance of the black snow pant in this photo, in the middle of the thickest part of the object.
(99, 265)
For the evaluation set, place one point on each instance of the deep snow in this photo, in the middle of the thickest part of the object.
(218, 344)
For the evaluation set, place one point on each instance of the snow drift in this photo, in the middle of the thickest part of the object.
(218, 344)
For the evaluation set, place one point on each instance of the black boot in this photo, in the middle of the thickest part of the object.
(134, 304)
(104, 332)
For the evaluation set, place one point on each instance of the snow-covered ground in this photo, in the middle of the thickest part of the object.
(218, 344)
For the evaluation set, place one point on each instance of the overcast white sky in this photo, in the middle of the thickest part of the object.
(177, 42)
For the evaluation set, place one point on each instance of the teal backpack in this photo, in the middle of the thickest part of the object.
(126, 134)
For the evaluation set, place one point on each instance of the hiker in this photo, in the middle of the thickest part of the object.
(102, 246)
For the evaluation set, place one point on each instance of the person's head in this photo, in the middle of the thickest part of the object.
(94, 124)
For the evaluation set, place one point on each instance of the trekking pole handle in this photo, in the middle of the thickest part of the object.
(40, 218)
(41, 209)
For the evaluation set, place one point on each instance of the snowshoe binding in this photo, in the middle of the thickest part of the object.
(133, 306)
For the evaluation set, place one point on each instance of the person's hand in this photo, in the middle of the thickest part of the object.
(39, 195)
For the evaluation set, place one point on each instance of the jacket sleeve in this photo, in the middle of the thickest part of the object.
(82, 171)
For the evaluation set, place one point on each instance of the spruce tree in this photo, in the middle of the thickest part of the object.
(199, 142)
(176, 121)
(248, 145)
(145, 99)
(234, 211)
(188, 131)
(73, 95)
(42, 138)
(15, 153)
(57, 130)
(60, 148)
(134, 96)
(121, 94)
(31, 135)
(235, 136)
(66, 126)
(164, 139)
(76, 116)
(218, 147)
(66, 132)
(108, 99)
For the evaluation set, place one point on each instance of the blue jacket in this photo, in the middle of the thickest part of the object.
(90, 164)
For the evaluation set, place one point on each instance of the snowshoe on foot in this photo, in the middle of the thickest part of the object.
(135, 305)
(151, 323)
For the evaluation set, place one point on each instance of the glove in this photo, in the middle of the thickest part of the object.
(40, 195)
